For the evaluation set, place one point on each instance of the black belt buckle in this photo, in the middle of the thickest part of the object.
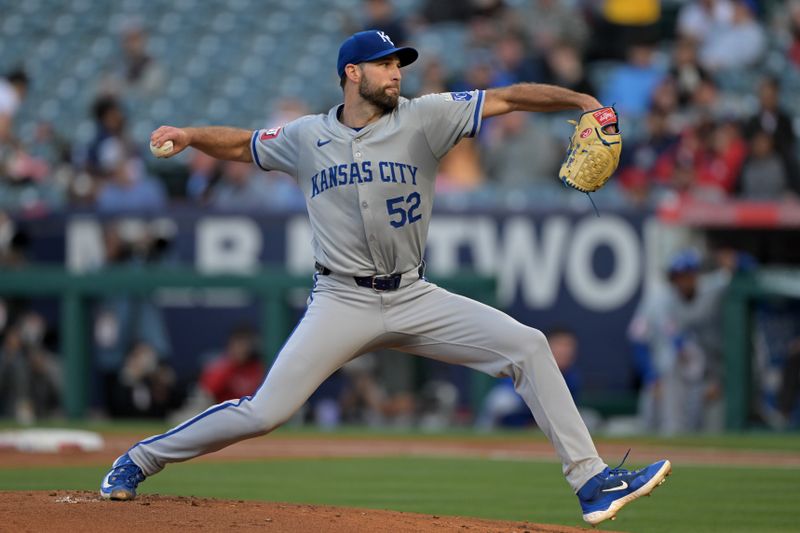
(388, 278)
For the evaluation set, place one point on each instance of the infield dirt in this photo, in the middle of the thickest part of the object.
(72, 511)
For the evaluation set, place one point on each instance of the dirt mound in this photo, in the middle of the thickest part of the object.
(71, 511)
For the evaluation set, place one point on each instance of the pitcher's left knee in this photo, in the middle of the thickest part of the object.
(532, 347)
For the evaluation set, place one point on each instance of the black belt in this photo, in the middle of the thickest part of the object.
(384, 282)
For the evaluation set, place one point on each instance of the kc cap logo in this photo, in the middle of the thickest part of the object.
(385, 38)
(371, 45)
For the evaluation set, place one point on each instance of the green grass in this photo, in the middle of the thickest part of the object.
(754, 440)
(694, 498)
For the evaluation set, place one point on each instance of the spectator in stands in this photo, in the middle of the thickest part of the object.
(480, 71)
(706, 160)
(764, 174)
(552, 23)
(109, 119)
(563, 67)
(380, 16)
(237, 371)
(126, 185)
(146, 387)
(645, 165)
(138, 76)
(772, 119)
(241, 188)
(518, 152)
(793, 51)
(720, 162)
(204, 174)
(699, 18)
(504, 407)
(737, 44)
(46, 144)
(704, 103)
(30, 376)
(619, 25)
(666, 103)
(25, 183)
(513, 63)
(676, 339)
(632, 84)
(436, 11)
(13, 88)
(434, 77)
(686, 70)
(119, 177)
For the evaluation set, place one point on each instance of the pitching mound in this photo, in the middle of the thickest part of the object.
(71, 511)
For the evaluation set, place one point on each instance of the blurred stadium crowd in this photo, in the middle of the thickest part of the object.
(708, 92)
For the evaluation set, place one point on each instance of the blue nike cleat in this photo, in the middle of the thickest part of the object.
(121, 481)
(609, 491)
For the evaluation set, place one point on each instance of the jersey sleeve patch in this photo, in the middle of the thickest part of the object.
(270, 134)
(462, 96)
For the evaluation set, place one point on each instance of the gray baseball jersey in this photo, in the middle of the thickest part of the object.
(369, 195)
(370, 192)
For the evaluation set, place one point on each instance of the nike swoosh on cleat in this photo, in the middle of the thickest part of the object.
(106, 484)
(320, 142)
(619, 487)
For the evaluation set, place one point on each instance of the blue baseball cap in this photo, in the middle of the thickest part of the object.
(371, 45)
(684, 261)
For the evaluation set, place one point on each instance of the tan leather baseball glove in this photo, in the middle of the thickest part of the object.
(594, 150)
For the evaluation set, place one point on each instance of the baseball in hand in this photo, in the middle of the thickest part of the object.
(163, 151)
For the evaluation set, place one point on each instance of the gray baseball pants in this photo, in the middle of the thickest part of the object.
(343, 321)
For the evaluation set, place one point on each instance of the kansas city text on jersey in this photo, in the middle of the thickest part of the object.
(364, 172)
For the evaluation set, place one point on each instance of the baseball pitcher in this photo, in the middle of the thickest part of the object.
(367, 170)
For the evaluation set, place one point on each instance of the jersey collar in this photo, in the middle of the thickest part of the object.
(336, 124)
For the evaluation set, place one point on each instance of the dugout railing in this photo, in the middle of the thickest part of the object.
(738, 343)
(271, 286)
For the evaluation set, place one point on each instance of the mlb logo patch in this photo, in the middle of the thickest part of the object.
(463, 96)
(269, 134)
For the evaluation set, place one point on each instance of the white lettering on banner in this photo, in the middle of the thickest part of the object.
(85, 249)
(529, 263)
(525, 261)
(449, 234)
(585, 286)
(227, 244)
(535, 266)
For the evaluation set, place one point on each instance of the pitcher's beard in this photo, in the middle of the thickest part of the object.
(377, 96)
